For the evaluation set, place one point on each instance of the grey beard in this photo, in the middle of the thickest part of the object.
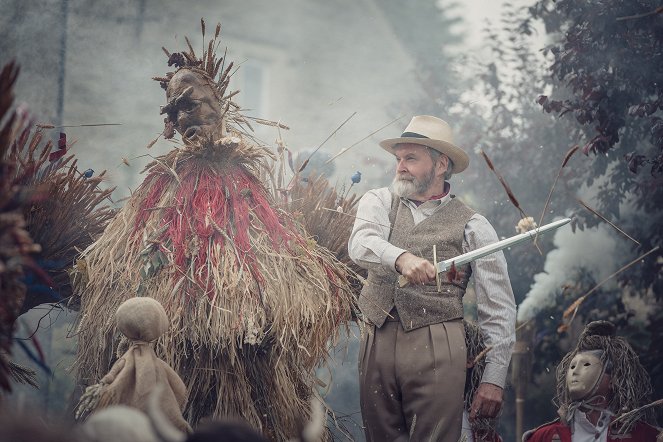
(403, 188)
(407, 188)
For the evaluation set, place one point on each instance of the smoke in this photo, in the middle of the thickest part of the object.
(594, 250)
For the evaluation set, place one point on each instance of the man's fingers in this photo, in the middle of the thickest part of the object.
(484, 407)
(490, 408)
(426, 272)
(487, 400)
(417, 270)
(475, 408)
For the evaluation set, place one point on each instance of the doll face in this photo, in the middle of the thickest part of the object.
(584, 373)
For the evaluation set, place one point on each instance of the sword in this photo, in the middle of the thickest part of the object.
(473, 255)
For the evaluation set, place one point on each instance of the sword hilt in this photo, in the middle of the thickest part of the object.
(402, 280)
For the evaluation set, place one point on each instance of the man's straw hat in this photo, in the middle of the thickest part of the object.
(432, 132)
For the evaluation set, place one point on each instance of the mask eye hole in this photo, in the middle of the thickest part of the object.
(573, 366)
(587, 364)
(188, 105)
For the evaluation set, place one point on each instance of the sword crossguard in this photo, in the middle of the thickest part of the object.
(437, 274)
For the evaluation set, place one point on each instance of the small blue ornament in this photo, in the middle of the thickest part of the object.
(88, 173)
(356, 178)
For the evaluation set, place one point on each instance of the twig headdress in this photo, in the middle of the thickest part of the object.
(216, 74)
(630, 386)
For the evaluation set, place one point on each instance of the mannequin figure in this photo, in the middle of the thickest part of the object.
(597, 382)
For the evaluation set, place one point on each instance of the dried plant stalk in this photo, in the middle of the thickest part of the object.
(567, 158)
(508, 191)
(344, 150)
(504, 184)
(573, 308)
(614, 226)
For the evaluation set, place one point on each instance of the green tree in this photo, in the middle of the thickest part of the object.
(598, 88)
(606, 79)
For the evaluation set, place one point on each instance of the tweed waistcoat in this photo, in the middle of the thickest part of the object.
(421, 305)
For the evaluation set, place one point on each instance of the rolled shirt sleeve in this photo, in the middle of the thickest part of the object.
(496, 306)
(368, 245)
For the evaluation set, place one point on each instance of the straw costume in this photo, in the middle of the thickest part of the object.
(49, 211)
(253, 300)
(327, 214)
(619, 393)
(482, 428)
(16, 245)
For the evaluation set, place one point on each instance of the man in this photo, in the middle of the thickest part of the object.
(413, 357)
(601, 389)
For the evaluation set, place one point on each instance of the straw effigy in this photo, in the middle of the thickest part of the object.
(252, 300)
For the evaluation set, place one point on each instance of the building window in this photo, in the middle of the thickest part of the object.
(252, 96)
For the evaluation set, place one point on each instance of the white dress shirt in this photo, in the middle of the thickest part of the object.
(369, 248)
(585, 431)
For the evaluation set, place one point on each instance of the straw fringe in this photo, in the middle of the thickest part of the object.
(249, 322)
(475, 342)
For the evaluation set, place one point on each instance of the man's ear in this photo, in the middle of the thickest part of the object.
(442, 164)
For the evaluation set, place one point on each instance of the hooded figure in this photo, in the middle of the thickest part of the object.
(139, 370)
(600, 387)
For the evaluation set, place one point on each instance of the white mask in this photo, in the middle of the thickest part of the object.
(583, 374)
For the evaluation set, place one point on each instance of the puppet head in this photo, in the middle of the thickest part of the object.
(141, 319)
(602, 366)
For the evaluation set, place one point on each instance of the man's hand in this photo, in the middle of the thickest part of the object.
(416, 270)
(487, 401)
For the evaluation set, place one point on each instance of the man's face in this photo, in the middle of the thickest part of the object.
(415, 170)
(583, 375)
(199, 112)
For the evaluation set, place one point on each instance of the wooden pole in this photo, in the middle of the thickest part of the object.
(521, 374)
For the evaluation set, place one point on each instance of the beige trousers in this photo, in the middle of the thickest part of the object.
(411, 384)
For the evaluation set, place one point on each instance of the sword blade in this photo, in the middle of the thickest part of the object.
(443, 266)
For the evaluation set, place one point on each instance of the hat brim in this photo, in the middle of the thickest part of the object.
(455, 153)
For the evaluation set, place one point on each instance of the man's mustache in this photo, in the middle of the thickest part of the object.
(405, 177)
